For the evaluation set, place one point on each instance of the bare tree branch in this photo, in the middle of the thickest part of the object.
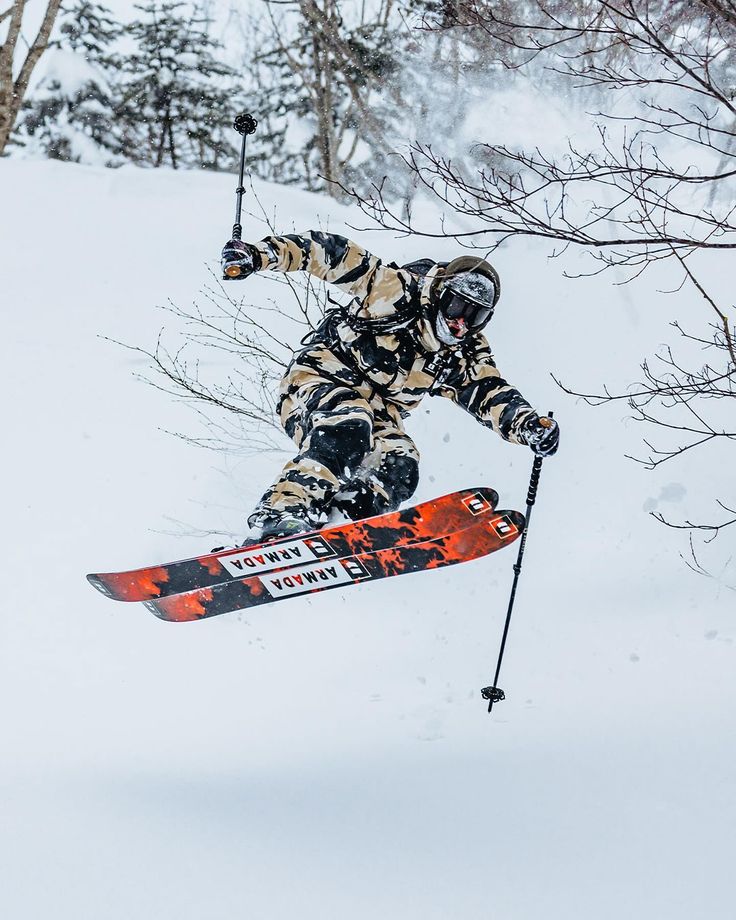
(658, 187)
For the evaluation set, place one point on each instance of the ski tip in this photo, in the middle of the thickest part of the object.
(509, 524)
(518, 519)
(492, 496)
(478, 500)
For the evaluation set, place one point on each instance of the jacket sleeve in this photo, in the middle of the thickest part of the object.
(380, 288)
(476, 384)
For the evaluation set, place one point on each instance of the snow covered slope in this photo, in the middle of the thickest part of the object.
(332, 758)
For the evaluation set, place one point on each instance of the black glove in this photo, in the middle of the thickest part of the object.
(238, 260)
(541, 434)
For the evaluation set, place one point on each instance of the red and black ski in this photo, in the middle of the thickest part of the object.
(481, 537)
(439, 516)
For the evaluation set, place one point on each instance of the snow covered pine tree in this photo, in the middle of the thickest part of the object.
(408, 331)
(70, 114)
(172, 92)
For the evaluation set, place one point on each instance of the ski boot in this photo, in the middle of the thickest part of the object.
(273, 525)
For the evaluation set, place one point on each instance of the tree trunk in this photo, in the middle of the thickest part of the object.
(323, 107)
(13, 90)
(172, 145)
(324, 80)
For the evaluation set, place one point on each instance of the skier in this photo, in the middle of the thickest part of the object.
(408, 331)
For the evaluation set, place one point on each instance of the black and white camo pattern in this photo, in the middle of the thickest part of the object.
(365, 369)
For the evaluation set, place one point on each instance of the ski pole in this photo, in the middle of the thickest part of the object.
(494, 694)
(244, 124)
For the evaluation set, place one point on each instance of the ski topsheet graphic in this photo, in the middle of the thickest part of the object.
(438, 517)
(484, 535)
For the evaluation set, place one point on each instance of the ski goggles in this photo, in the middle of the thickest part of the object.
(455, 305)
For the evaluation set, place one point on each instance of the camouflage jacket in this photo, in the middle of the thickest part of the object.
(385, 336)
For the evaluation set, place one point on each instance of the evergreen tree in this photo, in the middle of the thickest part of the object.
(325, 93)
(175, 96)
(69, 114)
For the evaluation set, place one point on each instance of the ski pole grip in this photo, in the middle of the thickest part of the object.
(232, 271)
(546, 422)
(531, 495)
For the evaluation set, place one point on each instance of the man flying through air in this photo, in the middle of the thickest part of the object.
(408, 331)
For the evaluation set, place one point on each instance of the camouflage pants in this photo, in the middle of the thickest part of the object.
(353, 452)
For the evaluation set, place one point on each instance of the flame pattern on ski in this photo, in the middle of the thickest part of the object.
(480, 538)
(443, 515)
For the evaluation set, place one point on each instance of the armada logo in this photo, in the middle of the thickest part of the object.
(317, 575)
(503, 527)
(477, 504)
(263, 559)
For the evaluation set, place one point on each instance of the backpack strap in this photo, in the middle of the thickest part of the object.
(421, 267)
(338, 312)
(403, 317)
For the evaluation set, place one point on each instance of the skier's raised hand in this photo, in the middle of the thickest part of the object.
(238, 260)
(542, 434)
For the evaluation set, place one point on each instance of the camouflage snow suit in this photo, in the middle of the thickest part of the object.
(366, 367)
